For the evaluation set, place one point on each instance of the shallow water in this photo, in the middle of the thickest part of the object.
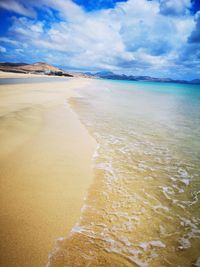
(143, 208)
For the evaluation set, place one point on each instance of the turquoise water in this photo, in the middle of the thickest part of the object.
(143, 208)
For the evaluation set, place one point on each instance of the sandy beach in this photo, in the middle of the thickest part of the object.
(5, 75)
(45, 168)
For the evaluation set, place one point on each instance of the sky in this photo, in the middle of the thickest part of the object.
(159, 38)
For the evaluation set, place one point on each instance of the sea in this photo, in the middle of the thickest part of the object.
(143, 207)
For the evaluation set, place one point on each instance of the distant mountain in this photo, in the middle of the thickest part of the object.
(113, 76)
(105, 73)
(37, 68)
(195, 81)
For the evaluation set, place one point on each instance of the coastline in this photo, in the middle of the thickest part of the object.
(46, 168)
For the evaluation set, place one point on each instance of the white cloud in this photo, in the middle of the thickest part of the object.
(2, 49)
(8, 41)
(175, 7)
(17, 7)
(24, 28)
(68, 9)
(19, 50)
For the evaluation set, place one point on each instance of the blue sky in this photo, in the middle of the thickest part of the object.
(160, 38)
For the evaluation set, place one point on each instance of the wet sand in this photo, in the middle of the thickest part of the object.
(45, 169)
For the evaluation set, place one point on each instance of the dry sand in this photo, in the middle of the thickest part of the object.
(45, 169)
(20, 75)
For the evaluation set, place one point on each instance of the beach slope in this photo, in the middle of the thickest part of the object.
(45, 168)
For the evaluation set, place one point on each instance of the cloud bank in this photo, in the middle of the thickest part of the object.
(158, 38)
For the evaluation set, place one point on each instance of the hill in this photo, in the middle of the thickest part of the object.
(37, 68)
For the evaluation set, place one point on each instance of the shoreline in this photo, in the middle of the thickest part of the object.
(44, 146)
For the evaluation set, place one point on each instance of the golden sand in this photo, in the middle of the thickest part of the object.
(45, 169)
(19, 75)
